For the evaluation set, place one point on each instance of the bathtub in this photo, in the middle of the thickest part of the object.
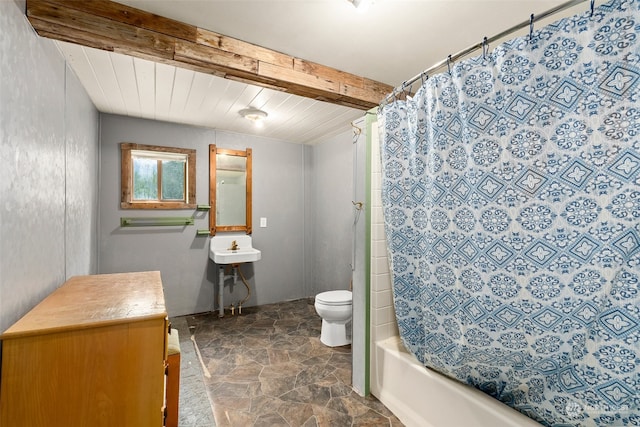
(421, 397)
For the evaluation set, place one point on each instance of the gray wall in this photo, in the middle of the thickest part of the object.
(330, 189)
(304, 192)
(48, 178)
(189, 277)
(50, 157)
(49, 189)
(330, 218)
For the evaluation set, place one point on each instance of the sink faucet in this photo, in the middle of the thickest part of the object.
(234, 246)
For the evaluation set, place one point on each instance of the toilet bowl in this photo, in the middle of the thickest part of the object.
(335, 308)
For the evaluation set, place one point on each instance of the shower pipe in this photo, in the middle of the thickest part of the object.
(483, 44)
(357, 131)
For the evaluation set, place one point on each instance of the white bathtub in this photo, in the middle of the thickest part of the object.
(424, 398)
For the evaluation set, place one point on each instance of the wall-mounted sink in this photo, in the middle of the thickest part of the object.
(221, 252)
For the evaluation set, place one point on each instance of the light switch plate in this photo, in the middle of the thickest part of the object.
(263, 222)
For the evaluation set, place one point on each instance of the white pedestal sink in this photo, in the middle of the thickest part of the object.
(232, 249)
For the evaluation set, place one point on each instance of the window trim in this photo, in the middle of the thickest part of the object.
(126, 178)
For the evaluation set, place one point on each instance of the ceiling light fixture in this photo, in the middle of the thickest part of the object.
(253, 114)
(361, 5)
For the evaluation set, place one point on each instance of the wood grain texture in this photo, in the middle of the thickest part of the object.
(212, 189)
(95, 300)
(214, 58)
(249, 190)
(96, 30)
(229, 44)
(132, 16)
(114, 27)
(90, 354)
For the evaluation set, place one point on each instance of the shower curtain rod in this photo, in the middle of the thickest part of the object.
(485, 42)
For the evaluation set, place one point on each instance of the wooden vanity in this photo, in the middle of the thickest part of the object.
(91, 354)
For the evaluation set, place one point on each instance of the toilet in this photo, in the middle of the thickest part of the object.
(335, 309)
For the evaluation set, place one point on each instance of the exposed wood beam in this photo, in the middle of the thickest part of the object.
(114, 27)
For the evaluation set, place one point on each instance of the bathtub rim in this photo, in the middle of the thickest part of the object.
(398, 397)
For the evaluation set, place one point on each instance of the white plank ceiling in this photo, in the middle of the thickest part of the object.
(393, 41)
(121, 84)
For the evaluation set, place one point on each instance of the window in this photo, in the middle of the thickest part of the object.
(155, 177)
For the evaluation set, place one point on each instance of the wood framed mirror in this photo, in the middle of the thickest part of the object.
(229, 190)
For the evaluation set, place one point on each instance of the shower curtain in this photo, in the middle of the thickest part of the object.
(511, 198)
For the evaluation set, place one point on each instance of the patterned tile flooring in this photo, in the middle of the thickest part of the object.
(267, 367)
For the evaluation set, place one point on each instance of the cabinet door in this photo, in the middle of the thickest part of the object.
(104, 376)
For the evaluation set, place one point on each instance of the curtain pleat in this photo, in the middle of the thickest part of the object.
(511, 198)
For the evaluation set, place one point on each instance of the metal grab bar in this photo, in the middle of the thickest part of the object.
(155, 221)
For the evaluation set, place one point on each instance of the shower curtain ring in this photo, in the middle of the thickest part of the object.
(394, 94)
(424, 76)
(593, 4)
(531, 26)
(449, 64)
(485, 47)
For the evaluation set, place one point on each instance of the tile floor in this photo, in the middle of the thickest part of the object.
(267, 367)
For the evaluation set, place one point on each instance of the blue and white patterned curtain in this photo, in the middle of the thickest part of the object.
(511, 197)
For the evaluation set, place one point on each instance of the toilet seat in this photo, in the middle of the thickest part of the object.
(334, 298)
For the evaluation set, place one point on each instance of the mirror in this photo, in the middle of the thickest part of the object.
(229, 190)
